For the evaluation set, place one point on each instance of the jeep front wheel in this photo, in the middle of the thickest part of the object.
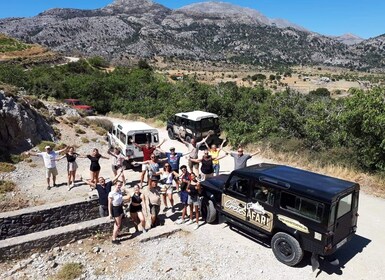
(171, 134)
(286, 249)
(209, 213)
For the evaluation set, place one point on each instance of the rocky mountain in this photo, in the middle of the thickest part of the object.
(21, 125)
(348, 39)
(204, 31)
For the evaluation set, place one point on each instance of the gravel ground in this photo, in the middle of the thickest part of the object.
(210, 252)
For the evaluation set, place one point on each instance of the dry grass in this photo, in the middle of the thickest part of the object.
(70, 271)
(6, 167)
(371, 184)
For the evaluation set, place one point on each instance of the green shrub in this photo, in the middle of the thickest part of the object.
(6, 186)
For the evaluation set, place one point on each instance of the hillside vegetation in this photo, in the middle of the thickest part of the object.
(8, 44)
(350, 131)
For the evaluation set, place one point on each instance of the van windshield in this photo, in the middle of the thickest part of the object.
(209, 123)
(142, 138)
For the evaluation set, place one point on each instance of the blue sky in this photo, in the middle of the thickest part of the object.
(364, 18)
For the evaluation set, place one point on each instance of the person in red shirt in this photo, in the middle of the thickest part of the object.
(147, 150)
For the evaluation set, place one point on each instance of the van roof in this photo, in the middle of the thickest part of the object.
(196, 115)
(305, 183)
(127, 126)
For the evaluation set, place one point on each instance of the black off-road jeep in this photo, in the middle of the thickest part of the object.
(299, 210)
(195, 124)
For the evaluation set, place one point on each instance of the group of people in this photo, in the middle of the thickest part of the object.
(50, 157)
(163, 175)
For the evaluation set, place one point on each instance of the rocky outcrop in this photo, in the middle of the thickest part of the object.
(21, 126)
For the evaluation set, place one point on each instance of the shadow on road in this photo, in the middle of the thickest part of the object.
(344, 255)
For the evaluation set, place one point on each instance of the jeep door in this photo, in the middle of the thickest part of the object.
(235, 197)
(260, 206)
(345, 214)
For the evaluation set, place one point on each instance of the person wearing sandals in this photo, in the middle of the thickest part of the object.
(193, 190)
(136, 208)
(167, 177)
(115, 209)
(71, 166)
(49, 158)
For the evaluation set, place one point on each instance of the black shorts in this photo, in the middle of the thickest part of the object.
(135, 209)
(117, 211)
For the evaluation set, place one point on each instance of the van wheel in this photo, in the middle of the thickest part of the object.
(209, 213)
(188, 139)
(286, 249)
(171, 134)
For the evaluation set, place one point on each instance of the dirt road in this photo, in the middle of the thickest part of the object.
(228, 253)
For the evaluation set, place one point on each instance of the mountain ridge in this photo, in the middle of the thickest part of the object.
(212, 31)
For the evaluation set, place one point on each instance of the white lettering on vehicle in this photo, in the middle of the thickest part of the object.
(235, 206)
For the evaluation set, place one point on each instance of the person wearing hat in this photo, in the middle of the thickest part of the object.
(49, 158)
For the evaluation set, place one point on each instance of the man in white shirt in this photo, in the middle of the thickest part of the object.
(49, 158)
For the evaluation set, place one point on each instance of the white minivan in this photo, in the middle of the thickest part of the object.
(124, 133)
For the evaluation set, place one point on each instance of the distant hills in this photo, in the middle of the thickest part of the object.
(213, 31)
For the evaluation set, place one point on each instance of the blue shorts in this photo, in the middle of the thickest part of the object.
(184, 197)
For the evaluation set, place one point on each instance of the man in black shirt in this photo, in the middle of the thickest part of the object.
(103, 189)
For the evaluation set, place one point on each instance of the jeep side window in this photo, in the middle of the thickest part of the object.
(239, 185)
(302, 206)
(263, 194)
(155, 138)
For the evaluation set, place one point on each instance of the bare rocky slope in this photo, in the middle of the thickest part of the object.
(21, 125)
(202, 31)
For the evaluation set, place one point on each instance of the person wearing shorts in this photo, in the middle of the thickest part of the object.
(154, 202)
(193, 190)
(49, 158)
(193, 151)
(136, 209)
(115, 209)
(184, 200)
(167, 177)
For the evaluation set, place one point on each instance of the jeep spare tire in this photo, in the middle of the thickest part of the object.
(286, 249)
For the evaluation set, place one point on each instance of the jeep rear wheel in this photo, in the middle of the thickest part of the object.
(171, 134)
(209, 213)
(286, 249)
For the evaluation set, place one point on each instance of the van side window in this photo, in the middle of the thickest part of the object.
(122, 137)
(302, 206)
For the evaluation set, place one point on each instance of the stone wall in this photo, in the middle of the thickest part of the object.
(40, 218)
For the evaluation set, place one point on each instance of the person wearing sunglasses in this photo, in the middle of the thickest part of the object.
(240, 159)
